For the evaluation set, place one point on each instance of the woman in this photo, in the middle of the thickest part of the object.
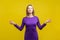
(30, 21)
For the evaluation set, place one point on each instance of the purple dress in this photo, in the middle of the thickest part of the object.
(30, 32)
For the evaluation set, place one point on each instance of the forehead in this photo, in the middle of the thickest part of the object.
(30, 7)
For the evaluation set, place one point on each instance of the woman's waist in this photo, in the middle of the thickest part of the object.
(30, 29)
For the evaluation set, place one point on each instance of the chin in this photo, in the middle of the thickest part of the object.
(30, 12)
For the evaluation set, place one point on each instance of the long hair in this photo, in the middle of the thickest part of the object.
(27, 13)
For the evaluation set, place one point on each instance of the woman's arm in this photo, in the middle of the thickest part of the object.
(39, 25)
(20, 27)
(44, 24)
(17, 26)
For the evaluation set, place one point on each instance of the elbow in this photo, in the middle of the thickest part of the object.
(20, 29)
(40, 28)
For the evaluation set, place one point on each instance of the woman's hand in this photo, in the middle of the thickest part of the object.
(12, 22)
(48, 21)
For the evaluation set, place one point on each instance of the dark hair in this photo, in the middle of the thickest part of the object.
(27, 10)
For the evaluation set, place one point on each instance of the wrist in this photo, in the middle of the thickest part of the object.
(45, 22)
(14, 24)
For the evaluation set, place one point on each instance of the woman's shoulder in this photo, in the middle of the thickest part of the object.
(24, 17)
(36, 16)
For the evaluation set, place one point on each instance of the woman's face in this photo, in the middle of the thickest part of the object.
(30, 9)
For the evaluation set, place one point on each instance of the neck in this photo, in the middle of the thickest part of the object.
(30, 15)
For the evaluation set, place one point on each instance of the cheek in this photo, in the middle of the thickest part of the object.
(30, 10)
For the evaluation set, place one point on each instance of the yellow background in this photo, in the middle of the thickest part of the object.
(16, 9)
